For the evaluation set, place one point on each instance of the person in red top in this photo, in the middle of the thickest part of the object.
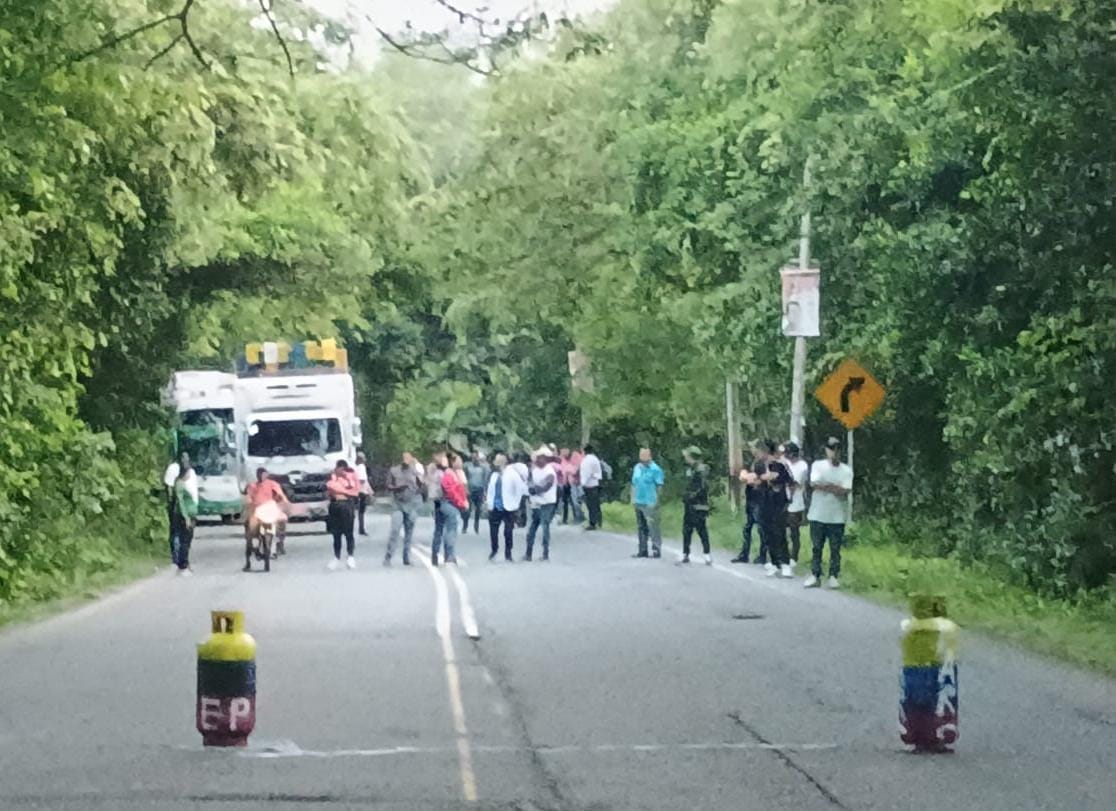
(344, 489)
(454, 500)
(262, 491)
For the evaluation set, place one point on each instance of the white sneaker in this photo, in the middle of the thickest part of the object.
(810, 582)
(185, 573)
(786, 571)
(833, 583)
(351, 562)
(333, 564)
(708, 560)
(770, 570)
(793, 563)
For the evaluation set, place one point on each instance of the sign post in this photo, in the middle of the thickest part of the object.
(800, 312)
(851, 395)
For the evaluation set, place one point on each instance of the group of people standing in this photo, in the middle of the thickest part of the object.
(517, 490)
(783, 491)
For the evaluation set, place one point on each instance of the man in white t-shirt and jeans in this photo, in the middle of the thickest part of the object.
(796, 507)
(832, 481)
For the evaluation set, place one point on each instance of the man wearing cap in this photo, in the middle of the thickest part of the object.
(832, 481)
(647, 479)
(542, 490)
(696, 502)
(796, 508)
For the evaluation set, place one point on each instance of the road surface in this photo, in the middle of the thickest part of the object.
(598, 682)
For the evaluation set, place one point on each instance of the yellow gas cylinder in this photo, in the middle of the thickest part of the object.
(226, 708)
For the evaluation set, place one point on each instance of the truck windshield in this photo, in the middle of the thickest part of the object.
(203, 433)
(295, 438)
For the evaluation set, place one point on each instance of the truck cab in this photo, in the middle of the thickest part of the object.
(295, 415)
(203, 428)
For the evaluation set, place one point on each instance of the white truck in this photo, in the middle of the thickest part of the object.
(203, 427)
(296, 421)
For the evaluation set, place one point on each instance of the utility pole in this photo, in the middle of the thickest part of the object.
(581, 380)
(798, 380)
(732, 437)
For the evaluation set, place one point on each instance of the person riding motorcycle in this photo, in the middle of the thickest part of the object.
(263, 502)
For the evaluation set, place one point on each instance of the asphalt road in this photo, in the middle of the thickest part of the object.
(598, 682)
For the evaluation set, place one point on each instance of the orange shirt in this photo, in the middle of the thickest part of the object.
(262, 492)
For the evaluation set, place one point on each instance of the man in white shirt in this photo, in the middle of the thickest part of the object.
(506, 490)
(542, 489)
(170, 476)
(361, 468)
(591, 474)
(832, 481)
(796, 509)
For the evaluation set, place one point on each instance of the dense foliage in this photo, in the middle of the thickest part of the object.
(628, 187)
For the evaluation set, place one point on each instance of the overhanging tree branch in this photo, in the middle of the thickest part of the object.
(265, 7)
(163, 51)
(462, 15)
(181, 16)
(415, 51)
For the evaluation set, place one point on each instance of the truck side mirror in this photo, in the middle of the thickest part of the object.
(358, 432)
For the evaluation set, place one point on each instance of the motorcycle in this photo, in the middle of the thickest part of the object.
(267, 544)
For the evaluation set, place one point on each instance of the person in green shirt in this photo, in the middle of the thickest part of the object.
(184, 516)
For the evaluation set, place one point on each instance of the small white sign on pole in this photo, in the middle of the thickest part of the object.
(801, 302)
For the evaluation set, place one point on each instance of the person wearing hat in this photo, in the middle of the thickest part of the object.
(647, 480)
(542, 492)
(831, 481)
(696, 504)
(796, 507)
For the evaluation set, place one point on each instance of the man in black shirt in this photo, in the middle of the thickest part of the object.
(771, 479)
(696, 502)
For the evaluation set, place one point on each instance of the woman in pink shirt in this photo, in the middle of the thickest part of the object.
(343, 488)
(570, 492)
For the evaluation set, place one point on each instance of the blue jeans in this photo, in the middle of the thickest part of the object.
(450, 517)
(541, 516)
(439, 524)
(577, 498)
(180, 543)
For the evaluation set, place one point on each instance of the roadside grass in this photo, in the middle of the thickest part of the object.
(84, 588)
(979, 598)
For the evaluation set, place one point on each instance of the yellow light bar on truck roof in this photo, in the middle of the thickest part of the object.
(273, 354)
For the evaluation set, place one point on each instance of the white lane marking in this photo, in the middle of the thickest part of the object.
(571, 749)
(453, 679)
(468, 616)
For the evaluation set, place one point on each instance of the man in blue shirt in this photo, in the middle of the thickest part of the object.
(647, 478)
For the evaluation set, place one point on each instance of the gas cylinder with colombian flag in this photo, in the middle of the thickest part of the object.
(928, 685)
(226, 707)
